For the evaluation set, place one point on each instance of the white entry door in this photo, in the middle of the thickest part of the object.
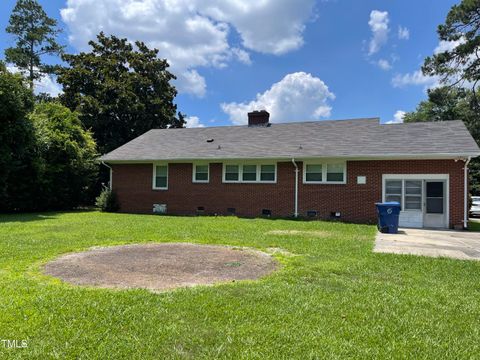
(434, 213)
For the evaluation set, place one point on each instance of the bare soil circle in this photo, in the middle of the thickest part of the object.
(160, 267)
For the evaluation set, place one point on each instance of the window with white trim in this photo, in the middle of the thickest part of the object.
(314, 173)
(231, 173)
(160, 179)
(324, 173)
(413, 195)
(250, 173)
(393, 191)
(201, 173)
(267, 172)
(406, 192)
(335, 172)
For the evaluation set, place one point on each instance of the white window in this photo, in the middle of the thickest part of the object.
(160, 177)
(413, 195)
(406, 192)
(314, 173)
(250, 173)
(201, 173)
(335, 172)
(324, 173)
(393, 191)
(231, 173)
(267, 172)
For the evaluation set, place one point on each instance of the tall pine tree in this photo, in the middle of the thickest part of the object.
(35, 35)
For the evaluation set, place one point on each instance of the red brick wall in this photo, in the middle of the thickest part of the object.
(133, 184)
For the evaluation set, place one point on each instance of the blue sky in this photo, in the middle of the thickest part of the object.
(299, 59)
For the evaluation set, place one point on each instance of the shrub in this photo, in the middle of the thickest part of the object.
(68, 153)
(107, 201)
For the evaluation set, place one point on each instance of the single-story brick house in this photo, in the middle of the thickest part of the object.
(321, 169)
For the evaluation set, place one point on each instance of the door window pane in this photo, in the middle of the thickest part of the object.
(313, 173)
(249, 173)
(434, 189)
(335, 172)
(435, 205)
(267, 173)
(231, 172)
(435, 197)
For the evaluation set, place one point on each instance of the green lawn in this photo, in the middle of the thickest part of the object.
(474, 225)
(333, 299)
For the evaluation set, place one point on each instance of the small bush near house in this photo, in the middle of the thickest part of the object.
(107, 201)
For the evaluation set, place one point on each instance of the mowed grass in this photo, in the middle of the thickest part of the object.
(332, 297)
(474, 225)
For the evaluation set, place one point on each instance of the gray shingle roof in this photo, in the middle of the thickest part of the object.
(360, 138)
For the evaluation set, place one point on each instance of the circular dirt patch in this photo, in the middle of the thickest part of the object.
(160, 266)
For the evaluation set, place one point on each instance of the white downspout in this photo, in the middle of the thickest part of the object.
(296, 188)
(110, 179)
(465, 218)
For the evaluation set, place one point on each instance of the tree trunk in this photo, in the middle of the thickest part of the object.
(31, 66)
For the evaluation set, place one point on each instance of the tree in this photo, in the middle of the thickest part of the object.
(446, 103)
(68, 157)
(460, 64)
(18, 159)
(35, 35)
(120, 91)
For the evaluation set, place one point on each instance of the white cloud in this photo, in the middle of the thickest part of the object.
(415, 78)
(193, 34)
(397, 117)
(384, 64)
(46, 84)
(297, 97)
(447, 45)
(403, 33)
(267, 26)
(379, 26)
(193, 122)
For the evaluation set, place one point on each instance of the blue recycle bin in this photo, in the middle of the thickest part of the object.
(388, 214)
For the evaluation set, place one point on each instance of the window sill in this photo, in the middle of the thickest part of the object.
(248, 182)
(324, 183)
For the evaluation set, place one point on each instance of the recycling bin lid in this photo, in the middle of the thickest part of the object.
(388, 203)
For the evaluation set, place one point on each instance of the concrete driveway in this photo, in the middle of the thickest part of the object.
(462, 245)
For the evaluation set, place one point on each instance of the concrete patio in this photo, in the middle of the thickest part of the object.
(462, 245)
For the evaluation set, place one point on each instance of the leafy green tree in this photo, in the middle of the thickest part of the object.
(35, 35)
(446, 103)
(120, 91)
(68, 152)
(18, 160)
(461, 64)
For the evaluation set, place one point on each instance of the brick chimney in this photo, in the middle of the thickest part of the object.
(258, 118)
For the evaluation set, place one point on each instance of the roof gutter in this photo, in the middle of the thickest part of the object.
(465, 218)
(295, 214)
(445, 156)
(110, 176)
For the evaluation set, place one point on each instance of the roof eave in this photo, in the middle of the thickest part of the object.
(446, 156)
